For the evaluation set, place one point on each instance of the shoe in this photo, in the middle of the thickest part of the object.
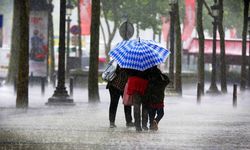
(145, 128)
(138, 129)
(130, 124)
(112, 125)
(154, 126)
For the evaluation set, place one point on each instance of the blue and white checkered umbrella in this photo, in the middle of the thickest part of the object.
(139, 54)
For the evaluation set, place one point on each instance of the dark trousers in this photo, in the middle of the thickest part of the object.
(152, 114)
(115, 95)
(140, 111)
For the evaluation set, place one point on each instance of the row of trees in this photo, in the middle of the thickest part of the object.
(143, 13)
(230, 15)
(20, 50)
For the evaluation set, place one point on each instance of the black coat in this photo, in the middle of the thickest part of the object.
(156, 87)
(120, 80)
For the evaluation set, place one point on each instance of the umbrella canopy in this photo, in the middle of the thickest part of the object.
(139, 54)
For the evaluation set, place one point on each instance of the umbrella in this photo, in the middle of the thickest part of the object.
(139, 54)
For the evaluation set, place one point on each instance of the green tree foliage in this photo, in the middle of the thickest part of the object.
(111, 11)
(147, 13)
(232, 13)
(144, 13)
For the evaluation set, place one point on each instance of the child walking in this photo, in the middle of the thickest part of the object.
(154, 97)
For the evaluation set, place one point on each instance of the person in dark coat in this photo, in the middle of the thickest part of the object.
(116, 88)
(154, 97)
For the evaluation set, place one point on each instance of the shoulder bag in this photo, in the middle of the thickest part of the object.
(109, 72)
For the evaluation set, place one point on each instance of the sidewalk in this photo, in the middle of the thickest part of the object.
(214, 124)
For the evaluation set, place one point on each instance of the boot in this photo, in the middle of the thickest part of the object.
(130, 124)
(154, 126)
(112, 125)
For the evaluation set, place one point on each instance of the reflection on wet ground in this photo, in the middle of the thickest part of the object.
(214, 124)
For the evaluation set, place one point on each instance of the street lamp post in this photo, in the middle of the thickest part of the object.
(61, 96)
(69, 8)
(213, 87)
(172, 39)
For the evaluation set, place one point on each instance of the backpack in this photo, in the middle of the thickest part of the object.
(156, 88)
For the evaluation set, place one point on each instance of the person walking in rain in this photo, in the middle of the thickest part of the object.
(116, 88)
(137, 83)
(138, 56)
(154, 96)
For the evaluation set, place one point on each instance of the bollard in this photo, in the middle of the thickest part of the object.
(43, 85)
(235, 95)
(198, 93)
(71, 85)
(15, 84)
(54, 80)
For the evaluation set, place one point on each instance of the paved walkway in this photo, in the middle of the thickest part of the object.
(214, 124)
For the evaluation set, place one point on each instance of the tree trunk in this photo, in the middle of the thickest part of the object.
(15, 44)
(107, 49)
(154, 33)
(23, 72)
(159, 37)
(111, 34)
(244, 36)
(171, 43)
(108, 44)
(93, 92)
(178, 79)
(201, 74)
(223, 72)
(80, 32)
(51, 44)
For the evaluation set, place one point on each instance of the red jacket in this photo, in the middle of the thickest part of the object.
(136, 85)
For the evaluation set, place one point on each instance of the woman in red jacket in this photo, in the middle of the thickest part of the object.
(137, 83)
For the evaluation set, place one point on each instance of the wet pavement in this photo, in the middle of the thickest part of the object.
(214, 124)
